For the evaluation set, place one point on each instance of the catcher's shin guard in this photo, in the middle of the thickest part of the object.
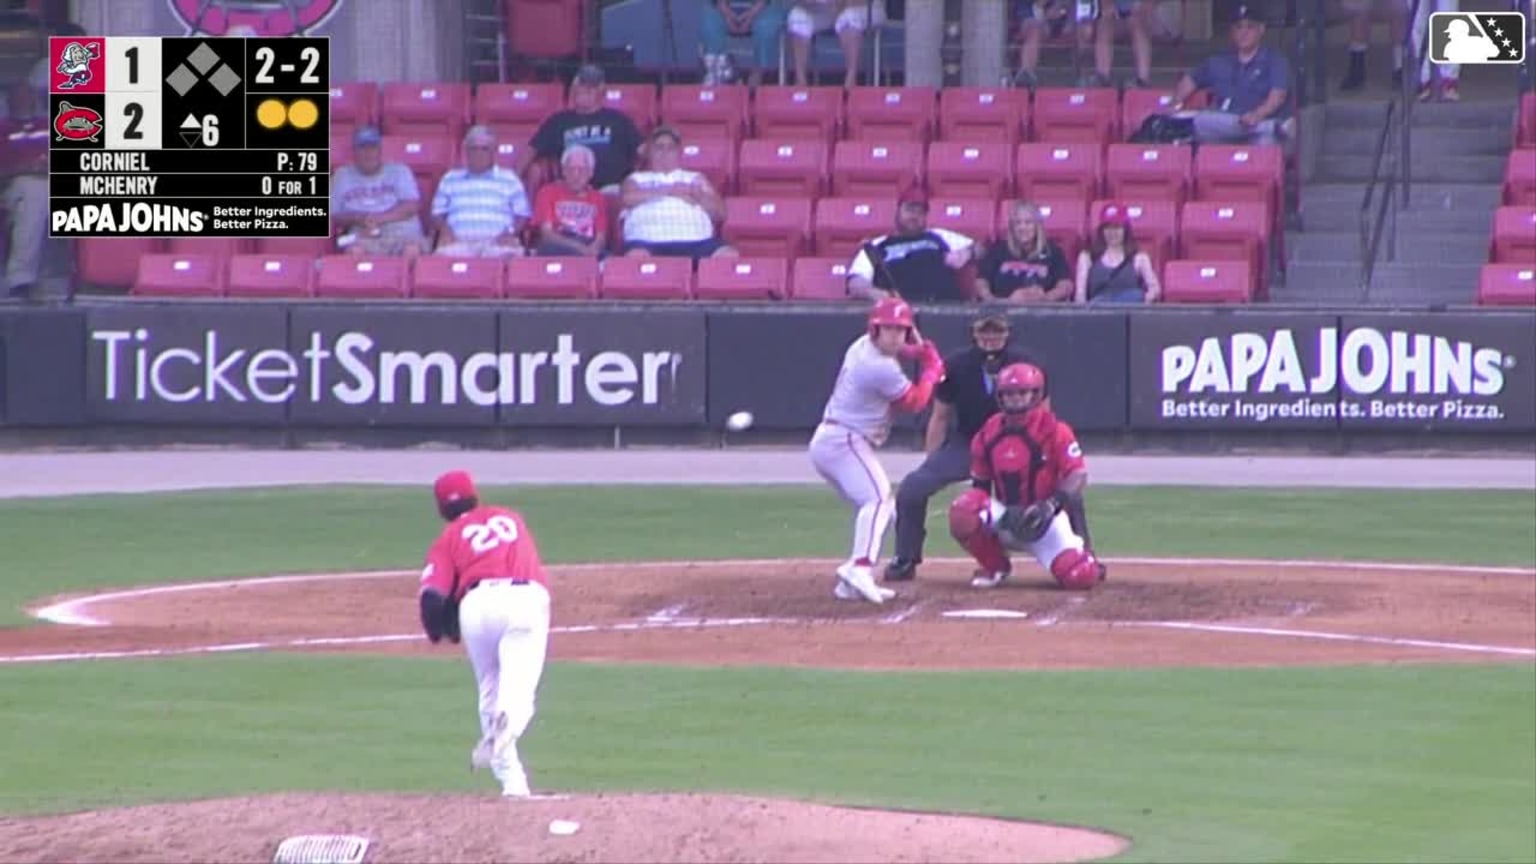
(1075, 570)
(970, 524)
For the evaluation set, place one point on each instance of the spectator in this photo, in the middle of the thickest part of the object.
(916, 262)
(1359, 12)
(669, 210)
(1112, 269)
(1449, 73)
(376, 204)
(719, 20)
(1250, 88)
(571, 216)
(608, 133)
(1137, 15)
(847, 18)
(1034, 17)
(25, 163)
(481, 207)
(1026, 267)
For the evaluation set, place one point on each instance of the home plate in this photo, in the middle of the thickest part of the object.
(986, 613)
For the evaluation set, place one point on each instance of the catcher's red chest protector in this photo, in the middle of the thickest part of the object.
(1025, 462)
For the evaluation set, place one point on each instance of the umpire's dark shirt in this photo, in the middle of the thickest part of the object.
(968, 386)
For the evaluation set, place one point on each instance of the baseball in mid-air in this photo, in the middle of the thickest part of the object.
(739, 421)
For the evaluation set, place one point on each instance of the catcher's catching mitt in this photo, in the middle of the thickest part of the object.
(1025, 525)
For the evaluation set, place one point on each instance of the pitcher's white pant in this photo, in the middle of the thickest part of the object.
(505, 630)
(846, 459)
(1449, 71)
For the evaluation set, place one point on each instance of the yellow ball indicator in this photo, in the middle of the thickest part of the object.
(303, 114)
(272, 114)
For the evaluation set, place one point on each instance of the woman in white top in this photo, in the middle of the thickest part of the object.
(670, 211)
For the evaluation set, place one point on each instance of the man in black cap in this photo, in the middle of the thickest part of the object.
(964, 396)
(1250, 87)
(609, 133)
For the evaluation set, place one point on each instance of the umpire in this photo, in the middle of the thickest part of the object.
(965, 395)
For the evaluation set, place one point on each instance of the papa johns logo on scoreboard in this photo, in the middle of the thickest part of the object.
(1378, 374)
(221, 18)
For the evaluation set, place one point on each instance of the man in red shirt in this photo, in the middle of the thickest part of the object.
(571, 216)
(485, 585)
(1028, 476)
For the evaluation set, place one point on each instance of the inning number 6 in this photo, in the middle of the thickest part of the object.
(485, 536)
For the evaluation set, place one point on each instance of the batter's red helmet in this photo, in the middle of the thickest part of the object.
(891, 312)
(1019, 378)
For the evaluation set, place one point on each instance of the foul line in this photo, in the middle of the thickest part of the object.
(1333, 637)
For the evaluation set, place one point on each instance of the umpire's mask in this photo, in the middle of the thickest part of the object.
(989, 334)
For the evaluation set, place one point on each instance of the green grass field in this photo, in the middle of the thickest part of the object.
(1381, 763)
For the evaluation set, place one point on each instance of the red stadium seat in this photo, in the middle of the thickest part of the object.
(975, 114)
(341, 150)
(1139, 104)
(743, 279)
(551, 278)
(278, 276)
(1514, 235)
(543, 28)
(517, 104)
(647, 279)
(768, 225)
(428, 156)
(820, 279)
(220, 248)
(437, 108)
(354, 103)
(875, 167)
(1154, 224)
(1207, 282)
(1520, 179)
(362, 277)
(1148, 172)
(715, 158)
(1525, 122)
(513, 153)
(1507, 285)
(438, 277)
(782, 167)
(983, 169)
(1066, 223)
(705, 112)
(892, 113)
(976, 218)
(113, 261)
(1227, 231)
(313, 247)
(798, 113)
(1225, 172)
(841, 224)
(637, 100)
(185, 275)
(1076, 115)
(1043, 170)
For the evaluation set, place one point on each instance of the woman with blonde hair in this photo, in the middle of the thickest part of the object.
(1112, 269)
(1024, 266)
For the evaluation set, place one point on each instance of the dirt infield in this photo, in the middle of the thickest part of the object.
(1149, 613)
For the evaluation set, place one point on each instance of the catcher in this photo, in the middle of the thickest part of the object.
(1028, 476)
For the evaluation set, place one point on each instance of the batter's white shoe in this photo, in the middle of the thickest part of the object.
(844, 591)
(983, 579)
(861, 581)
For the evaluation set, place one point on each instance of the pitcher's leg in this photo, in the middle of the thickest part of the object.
(480, 630)
(522, 652)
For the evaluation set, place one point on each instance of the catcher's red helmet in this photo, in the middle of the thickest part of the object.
(1020, 379)
(891, 312)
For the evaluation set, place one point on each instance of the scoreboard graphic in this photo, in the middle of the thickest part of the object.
(189, 137)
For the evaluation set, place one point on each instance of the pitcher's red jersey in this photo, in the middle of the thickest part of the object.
(484, 543)
(1025, 462)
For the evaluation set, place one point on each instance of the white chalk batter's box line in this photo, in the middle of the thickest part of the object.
(70, 612)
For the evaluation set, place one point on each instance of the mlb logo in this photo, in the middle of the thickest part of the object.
(77, 65)
(1474, 38)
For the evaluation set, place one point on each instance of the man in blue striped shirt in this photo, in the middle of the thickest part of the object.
(481, 207)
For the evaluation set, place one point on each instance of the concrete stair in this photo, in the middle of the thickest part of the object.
(1457, 153)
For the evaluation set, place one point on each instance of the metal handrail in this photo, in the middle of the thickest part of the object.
(1371, 227)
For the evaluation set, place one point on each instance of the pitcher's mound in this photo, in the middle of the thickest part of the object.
(442, 828)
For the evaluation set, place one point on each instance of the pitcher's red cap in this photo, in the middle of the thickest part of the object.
(454, 486)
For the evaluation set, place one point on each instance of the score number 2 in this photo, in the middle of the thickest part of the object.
(310, 55)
